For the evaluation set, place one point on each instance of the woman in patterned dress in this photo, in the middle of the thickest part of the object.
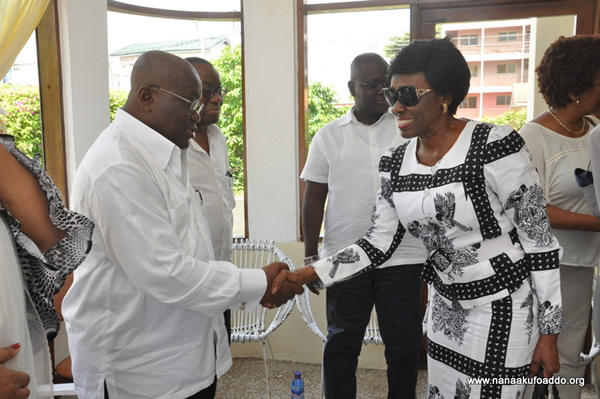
(470, 192)
(41, 242)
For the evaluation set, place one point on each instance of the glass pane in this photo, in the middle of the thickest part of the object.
(20, 101)
(501, 59)
(189, 5)
(330, 53)
(217, 41)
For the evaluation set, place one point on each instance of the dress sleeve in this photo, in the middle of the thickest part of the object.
(512, 176)
(534, 143)
(379, 242)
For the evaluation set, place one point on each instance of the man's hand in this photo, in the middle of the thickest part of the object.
(546, 356)
(286, 290)
(300, 276)
(13, 383)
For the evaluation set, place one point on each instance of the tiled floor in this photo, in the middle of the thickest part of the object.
(246, 379)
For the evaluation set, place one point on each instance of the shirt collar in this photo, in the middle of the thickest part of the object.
(160, 148)
(349, 117)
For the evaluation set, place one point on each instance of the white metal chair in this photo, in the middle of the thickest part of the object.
(372, 335)
(303, 303)
(250, 326)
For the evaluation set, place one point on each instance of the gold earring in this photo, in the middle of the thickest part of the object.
(445, 108)
(577, 103)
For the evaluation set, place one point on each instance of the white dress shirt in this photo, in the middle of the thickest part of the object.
(345, 155)
(211, 178)
(145, 310)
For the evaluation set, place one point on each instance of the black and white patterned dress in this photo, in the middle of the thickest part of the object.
(492, 265)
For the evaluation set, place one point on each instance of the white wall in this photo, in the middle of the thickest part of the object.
(84, 59)
(269, 35)
(544, 31)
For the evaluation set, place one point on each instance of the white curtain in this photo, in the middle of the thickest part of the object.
(18, 18)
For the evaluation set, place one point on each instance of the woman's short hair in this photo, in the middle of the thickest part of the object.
(443, 65)
(569, 66)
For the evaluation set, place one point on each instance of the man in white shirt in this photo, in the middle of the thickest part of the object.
(208, 160)
(342, 164)
(144, 313)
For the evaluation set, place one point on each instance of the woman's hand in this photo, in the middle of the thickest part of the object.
(13, 383)
(301, 276)
(545, 355)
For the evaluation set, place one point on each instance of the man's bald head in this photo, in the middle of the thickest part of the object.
(163, 86)
(158, 68)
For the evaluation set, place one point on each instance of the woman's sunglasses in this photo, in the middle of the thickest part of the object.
(406, 95)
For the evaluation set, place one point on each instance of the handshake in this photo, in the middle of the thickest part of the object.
(283, 284)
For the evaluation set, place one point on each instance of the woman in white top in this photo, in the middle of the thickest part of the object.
(569, 80)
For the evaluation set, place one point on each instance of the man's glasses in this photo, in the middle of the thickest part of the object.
(371, 85)
(209, 92)
(406, 95)
(195, 106)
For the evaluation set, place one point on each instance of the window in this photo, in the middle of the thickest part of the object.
(503, 100)
(469, 40)
(506, 68)
(474, 69)
(199, 35)
(507, 36)
(469, 102)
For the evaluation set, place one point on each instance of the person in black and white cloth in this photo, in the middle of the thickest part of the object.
(470, 191)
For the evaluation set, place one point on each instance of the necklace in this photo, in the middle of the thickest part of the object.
(566, 128)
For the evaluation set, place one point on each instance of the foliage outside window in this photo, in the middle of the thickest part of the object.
(514, 117)
(23, 119)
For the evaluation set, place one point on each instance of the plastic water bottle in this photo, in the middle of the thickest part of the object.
(297, 386)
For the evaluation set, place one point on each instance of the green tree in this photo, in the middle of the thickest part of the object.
(515, 117)
(397, 43)
(321, 107)
(116, 99)
(23, 119)
(229, 65)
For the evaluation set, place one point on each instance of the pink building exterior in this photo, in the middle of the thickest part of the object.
(498, 55)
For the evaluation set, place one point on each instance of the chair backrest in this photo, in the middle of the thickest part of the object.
(303, 302)
(250, 326)
(372, 335)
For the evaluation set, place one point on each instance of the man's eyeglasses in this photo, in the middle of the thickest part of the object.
(195, 106)
(210, 91)
(371, 85)
(406, 95)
